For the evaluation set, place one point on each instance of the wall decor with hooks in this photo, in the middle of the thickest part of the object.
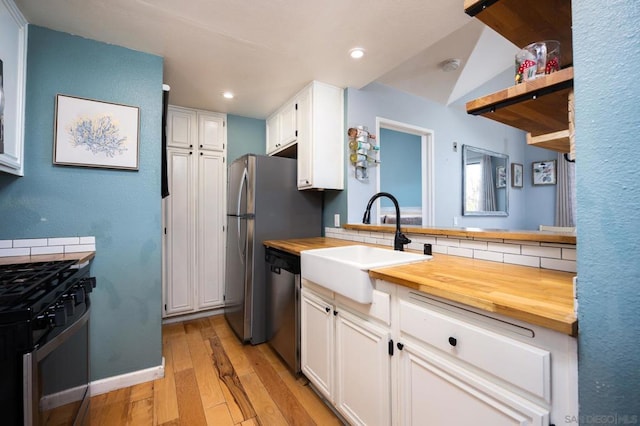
(363, 151)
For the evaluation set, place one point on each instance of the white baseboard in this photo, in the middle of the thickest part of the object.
(196, 315)
(109, 384)
(49, 402)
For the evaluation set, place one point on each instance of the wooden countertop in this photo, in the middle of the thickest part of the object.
(81, 257)
(504, 234)
(538, 296)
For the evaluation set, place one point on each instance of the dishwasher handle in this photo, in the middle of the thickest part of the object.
(277, 259)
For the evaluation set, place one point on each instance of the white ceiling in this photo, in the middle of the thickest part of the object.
(265, 51)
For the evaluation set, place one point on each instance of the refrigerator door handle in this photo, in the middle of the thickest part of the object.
(241, 247)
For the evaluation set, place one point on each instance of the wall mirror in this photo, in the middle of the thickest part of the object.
(484, 182)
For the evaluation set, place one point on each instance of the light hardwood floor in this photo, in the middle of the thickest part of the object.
(212, 379)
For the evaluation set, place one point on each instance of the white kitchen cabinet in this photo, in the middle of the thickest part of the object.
(313, 120)
(194, 212)
(13, 33)
(409, 358)
(316, 340)
(435, 391)
(282, 128)
(363, 370)
(346, 358)
(503, 371)
(212, 135)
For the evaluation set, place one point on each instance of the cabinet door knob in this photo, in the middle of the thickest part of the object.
(191, 146)
(200, 146)
(400, 346)
(327, 309)
(453, 341)
(335, 313)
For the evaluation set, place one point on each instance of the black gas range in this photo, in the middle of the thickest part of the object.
(44, 342)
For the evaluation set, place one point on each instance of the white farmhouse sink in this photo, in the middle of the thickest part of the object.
(345, 270)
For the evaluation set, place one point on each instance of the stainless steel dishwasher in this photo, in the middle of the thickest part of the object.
(283, 305)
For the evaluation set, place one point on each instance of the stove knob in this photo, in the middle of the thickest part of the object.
(88, 283)
(41, 322)
(69, 305)
(58, 316)
(78, 294)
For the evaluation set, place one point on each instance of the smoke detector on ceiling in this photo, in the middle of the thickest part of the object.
(450, 65)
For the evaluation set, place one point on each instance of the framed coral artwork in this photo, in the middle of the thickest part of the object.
(90, 133)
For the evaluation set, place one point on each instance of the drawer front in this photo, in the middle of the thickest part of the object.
(523, 365)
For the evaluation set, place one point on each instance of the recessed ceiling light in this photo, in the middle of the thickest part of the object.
(228, 95)
(356, 52)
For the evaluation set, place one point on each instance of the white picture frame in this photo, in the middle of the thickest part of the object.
(91, 133)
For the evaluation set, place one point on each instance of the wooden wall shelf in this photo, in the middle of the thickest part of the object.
(527, 22)
(539, 106)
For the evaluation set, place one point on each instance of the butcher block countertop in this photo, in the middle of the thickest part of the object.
(538, 296)
(81, 257)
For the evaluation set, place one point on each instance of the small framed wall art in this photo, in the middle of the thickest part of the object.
(90, 133)
(544, 172)
(501, 177)
(517, 175)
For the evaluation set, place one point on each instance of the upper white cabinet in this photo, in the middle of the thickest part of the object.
(282, 128)
(313, 121)
(194, 212)
(13, 52)
(212, 135)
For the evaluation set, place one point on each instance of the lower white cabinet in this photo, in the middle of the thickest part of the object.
(414, 359)
(347, 358)
(434, 391)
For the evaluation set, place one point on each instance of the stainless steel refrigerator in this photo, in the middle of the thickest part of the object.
(263, 203)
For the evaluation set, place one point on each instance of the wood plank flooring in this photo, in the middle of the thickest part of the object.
(212, 379)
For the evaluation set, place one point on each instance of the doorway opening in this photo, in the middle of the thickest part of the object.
(415, 198)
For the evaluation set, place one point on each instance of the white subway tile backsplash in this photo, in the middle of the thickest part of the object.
(79, 248)
(6, 252)
(40, 246)
(32, 242)
(504, 248)
(64, 241)
(522, 260)
(472, 244)
(528, 253)
(47, 250)
(554, 252)
(569, 254)
(439, 249)
(462, 252)
(493, 256)
(558, 265)
(449, 242)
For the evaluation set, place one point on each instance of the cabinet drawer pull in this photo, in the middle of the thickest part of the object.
(335, 313)
(327, 309)
(453, 341)
(400, 346)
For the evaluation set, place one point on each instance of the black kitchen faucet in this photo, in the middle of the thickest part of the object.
(400, 239)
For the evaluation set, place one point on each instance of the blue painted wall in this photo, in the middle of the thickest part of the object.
(608, 197)
(244, 136)
(449, 124)
(120, 208)
(402, 171)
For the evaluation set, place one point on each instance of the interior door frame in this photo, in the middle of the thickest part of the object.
(427, 156)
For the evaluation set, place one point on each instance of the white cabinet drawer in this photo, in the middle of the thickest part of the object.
(523, 365)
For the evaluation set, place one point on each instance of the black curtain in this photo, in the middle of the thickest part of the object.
(164, 177)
